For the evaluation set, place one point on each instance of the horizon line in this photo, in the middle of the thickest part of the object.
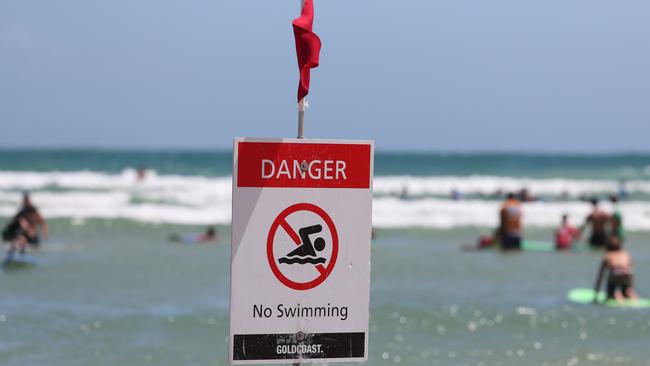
(399, 151)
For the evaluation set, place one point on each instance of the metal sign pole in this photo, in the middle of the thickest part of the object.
(301, 118)
(301, 121)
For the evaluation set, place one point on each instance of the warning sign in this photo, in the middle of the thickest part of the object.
(301, 229)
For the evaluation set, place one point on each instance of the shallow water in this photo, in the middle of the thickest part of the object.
(116, 293)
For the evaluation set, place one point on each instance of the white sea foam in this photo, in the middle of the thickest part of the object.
(433, 185)
(487, 185)
(391, 212)
(207, 200)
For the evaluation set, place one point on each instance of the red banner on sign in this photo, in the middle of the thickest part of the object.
(303, 165)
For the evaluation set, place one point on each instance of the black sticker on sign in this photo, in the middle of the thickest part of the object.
(301, 346)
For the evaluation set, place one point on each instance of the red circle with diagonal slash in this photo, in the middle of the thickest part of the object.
(324, 271)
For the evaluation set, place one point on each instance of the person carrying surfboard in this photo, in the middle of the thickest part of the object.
(510, 228)
(620, 281)
(598, 220)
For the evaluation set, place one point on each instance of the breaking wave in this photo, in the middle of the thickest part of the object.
(400, 201)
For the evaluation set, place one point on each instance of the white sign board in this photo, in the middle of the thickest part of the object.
(300, 270)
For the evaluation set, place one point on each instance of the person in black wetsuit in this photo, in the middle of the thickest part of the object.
(620, 281)
(25, 227)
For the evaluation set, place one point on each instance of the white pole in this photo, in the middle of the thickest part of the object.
(301, 103)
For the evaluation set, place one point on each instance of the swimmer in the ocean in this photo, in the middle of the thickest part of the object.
(616, 222)
(210, 235)
(620, 281)
(26, 227)
(510, 223)
(566, 234)
(598, 221)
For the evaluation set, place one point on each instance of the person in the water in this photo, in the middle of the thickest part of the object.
(616, 222)
(141, 173)
(210, 235)
(566, 234)
(510, 228)
(620, 281)
(597, 219)
(27, 227)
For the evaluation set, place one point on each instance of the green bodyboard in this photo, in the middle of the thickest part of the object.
(586, 296)
(526, 246)
(537, 246)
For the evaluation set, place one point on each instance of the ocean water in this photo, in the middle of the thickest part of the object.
(411, 190)
(109, 289)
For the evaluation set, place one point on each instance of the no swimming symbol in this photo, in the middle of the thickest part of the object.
(315, 246)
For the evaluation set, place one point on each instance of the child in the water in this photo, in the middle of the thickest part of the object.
(620, 281)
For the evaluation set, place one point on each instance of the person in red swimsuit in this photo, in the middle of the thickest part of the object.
(566, 234)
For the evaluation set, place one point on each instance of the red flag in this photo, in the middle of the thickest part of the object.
(307, 46)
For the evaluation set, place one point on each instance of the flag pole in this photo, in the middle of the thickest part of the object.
(301, 135)
(301, 109)
(301, 121)
(301, 118)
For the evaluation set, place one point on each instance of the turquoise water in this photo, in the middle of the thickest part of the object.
(110, 290)
(619, 166)
(116, 293)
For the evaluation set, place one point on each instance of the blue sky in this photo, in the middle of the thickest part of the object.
(445, 75)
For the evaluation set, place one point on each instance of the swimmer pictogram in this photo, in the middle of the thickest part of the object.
(306, 252)
(319, 253)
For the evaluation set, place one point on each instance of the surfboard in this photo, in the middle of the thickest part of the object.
(586, 296)
(19, 261)
(526, 245)
(537, 246)
(182, 239)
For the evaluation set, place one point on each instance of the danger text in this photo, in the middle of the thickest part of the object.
(294, 169)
